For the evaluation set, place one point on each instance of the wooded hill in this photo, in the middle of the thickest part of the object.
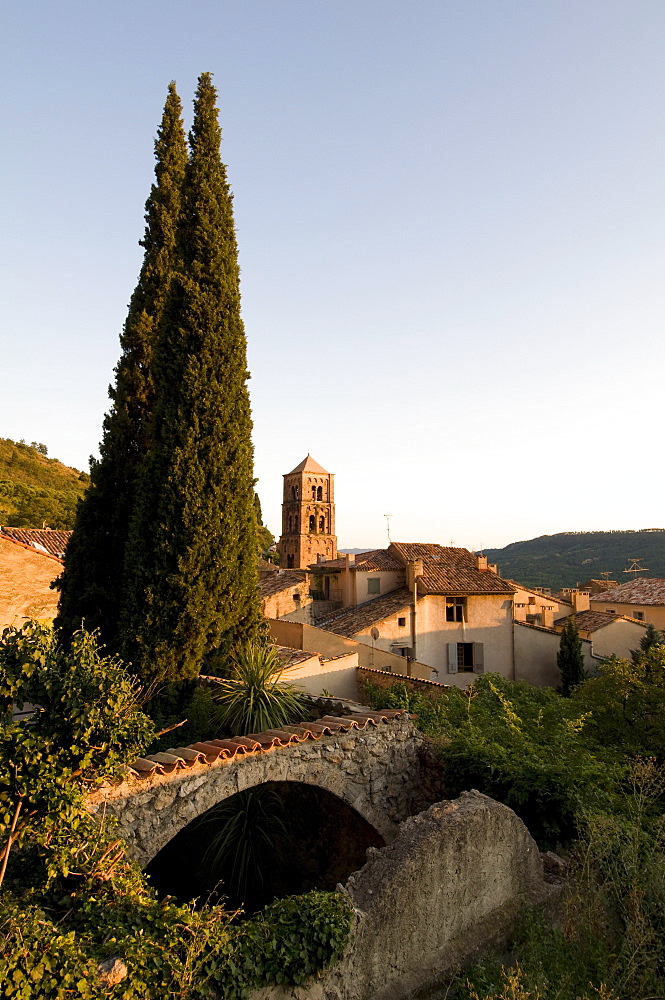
(572, 557)
(35, 489)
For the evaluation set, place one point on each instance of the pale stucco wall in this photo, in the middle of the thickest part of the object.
(489, 621)
(337, 676)
(654, 613)
(535, 655)
(283, 603)
(299, 635)
(617, 638)
(389, 580)
(528, 602)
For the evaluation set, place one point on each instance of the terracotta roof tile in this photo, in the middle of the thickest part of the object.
(589, 621)
(217, 751)
(275, 583)
(53, 543)
(450, 571)
(350, 621)
(647, 590)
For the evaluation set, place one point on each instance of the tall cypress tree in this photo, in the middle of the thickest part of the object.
(92, 580)
(191, 562)
(569, 658)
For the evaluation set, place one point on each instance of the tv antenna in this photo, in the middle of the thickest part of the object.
(635, 567)
(387, 517)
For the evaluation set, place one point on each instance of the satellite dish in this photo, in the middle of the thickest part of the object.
(374, 633)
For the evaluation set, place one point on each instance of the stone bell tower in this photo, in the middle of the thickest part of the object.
(308, 516)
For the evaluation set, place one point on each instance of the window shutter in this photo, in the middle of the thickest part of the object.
(478, 658)
(452, 657)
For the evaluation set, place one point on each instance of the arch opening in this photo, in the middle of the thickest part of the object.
(277, 839)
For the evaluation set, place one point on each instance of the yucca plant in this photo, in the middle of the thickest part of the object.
(241, 852)
(254, 698)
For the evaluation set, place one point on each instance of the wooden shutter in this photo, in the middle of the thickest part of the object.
(452, 657)
(478, 658)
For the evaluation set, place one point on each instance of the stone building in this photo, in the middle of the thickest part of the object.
(308, 516)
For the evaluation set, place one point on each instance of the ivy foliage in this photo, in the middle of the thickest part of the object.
(525, 746)
(70, 895)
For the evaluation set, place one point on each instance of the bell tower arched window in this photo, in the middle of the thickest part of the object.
(313, 492)
(322, 524)
(312, 522)
(319, 492)
(294, 492)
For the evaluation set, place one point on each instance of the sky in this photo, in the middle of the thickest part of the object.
(450, 217)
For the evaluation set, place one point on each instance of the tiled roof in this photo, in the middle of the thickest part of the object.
(267, 567)
(589, 621)
(350, 621)
(213, 751)
(647, 590)
(275, 583)
(308, 465)
(53, 543)
(365, 562)
(292, 657)
(450, 571)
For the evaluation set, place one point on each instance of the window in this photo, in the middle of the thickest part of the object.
(289, 562)
(322, 524)
(610, 611)
(401, 622)
(466, 658)
(455, 609)
(290, 523)
(534, 619)
(319, 492)
(639, 615)
(294, 492)
(312, 523)
(374, 585)
(296, 522)
(313, 492)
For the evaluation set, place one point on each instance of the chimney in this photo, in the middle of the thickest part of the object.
(414, 569)
(580, 600)
(350, 558)
(481, 563)
(547, 616)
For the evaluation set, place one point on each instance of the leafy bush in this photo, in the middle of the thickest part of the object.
(70, 895)
(522, 745)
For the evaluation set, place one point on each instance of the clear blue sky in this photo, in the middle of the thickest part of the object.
(451, 227)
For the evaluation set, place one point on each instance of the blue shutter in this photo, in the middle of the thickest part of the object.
(452, 657)
(478, 658)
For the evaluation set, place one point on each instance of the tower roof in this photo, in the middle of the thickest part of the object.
(308, 465)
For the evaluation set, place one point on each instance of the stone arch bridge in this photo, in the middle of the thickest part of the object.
(371, 761)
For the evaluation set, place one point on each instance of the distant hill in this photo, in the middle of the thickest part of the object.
(35, 489)
(569, 558)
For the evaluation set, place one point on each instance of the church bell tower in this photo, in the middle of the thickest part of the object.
(308, 516)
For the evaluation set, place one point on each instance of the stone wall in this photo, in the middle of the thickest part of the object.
(376, 770)
(448, 887)
(384, 679)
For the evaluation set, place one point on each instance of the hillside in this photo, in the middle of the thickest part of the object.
(569, 558)
(35, 489)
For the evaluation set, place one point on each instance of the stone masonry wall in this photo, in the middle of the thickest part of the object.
(376, 770)
(448, 887)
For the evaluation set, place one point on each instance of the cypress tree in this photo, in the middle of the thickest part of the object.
(191, 562)
(92, 579)
(569, 658)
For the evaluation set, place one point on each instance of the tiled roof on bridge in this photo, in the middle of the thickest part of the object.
(648, 590)
(212, 751)
(52, 543)
(350, 621)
